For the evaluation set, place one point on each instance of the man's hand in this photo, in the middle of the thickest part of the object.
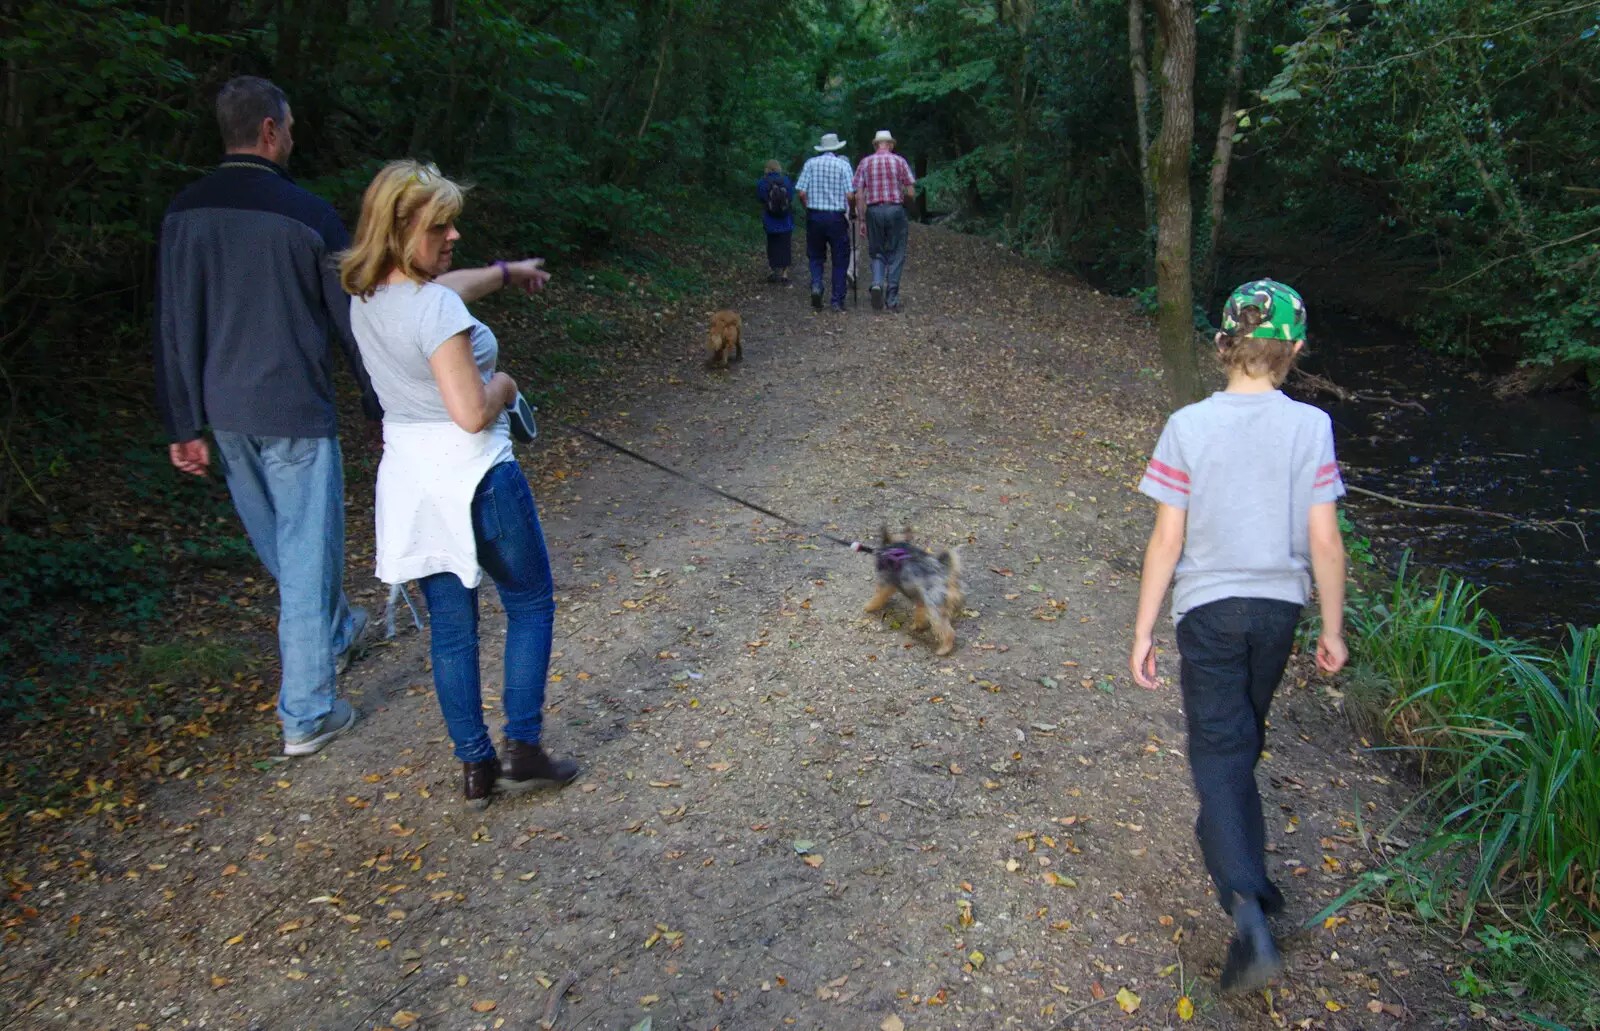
(528, 274)
(1143, 661)
(1331, 653)
(192, 456)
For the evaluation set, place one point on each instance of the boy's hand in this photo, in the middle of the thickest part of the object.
(1143, 661)
(1331, 653)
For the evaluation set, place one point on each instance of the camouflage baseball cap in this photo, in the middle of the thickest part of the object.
(1283, 310)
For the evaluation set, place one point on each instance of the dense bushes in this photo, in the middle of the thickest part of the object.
(1449, 143)
(580, 123)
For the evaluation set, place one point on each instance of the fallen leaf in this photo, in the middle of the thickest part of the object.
(483, 1005)
(1127, 1001)
(404, 1018)
(1185, 1008)
(976, 959)
(1096, 991)
(236, 939)
(217, 981)
(1333, 1007)
(892, 1023)
(646, 1000)
(289, 925)
(812, 861)
(296, 975)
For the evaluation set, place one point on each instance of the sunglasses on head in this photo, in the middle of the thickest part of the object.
(426, 174)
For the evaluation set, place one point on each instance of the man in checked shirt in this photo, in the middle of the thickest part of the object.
(883, 184)
(824, 188)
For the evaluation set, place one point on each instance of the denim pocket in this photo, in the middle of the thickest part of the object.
(289, 450)
(486, 516)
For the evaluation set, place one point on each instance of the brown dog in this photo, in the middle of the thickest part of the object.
(724, 339)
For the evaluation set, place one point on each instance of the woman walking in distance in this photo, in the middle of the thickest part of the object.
(452, 502)
(775, 191)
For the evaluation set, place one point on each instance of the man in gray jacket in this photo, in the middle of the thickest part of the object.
(248, 301)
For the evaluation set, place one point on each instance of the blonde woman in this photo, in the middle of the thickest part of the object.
(452, 502)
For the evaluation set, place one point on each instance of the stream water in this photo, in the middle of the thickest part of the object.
(1537, 459)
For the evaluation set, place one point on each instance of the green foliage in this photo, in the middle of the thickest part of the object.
(1508, 738)
(1468, 124)
(580, 125)
(190, 661)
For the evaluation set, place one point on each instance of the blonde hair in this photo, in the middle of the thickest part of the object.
(773, 166)
(403, 198)
(1255, 356)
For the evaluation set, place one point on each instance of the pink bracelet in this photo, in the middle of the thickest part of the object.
(505, 273)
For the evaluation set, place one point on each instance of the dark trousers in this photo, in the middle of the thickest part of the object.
(887, 231)
(825, 230)
(1233, 653)
(778, 250)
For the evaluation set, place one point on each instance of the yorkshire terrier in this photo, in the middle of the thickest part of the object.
(724, 338)
(932, 582)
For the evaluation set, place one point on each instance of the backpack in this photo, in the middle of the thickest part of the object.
(777, 199)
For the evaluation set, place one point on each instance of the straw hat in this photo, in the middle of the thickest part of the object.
(884, 136)
(830, 142)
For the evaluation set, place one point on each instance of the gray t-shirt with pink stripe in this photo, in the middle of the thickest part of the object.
(1247, 468)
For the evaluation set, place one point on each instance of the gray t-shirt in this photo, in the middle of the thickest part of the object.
(1247, 468)
(398, 328)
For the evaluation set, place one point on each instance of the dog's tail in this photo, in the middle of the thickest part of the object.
(950, 558)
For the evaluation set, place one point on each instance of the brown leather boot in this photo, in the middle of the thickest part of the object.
(478, 780)
(527, 766)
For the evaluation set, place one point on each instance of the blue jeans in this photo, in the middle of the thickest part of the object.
(511, 550)
(289, 493)
(1233, 654)
(827, 230)
(887, 231)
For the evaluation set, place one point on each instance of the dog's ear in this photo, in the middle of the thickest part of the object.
(883, 531)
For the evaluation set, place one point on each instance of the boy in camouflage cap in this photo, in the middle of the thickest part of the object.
(1245, 482)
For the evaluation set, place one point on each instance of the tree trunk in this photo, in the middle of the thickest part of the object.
(655, 87)
(919, 203)
(1174, 209)
(291, 26)
(1141, 110)
(1222, 155)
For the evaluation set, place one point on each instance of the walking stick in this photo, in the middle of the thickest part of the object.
(855, 267)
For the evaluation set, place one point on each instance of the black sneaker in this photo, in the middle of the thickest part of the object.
(1253, 959)
(816, 299)
(877, 297)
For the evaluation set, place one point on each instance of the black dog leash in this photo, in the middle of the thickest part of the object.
(613, 445)
(524, 411)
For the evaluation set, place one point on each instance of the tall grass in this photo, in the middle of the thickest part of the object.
(1507, 740)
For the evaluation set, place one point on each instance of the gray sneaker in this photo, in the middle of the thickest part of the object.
(339, 719)
(358, 640)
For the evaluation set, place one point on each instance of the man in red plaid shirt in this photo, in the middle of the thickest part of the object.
(883, 185)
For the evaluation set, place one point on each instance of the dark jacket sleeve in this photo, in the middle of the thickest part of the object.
(179, 340)
(334, 241)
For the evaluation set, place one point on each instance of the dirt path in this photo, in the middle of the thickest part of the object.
(1000, 838)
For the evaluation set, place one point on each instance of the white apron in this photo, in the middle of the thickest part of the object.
(426, 480)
